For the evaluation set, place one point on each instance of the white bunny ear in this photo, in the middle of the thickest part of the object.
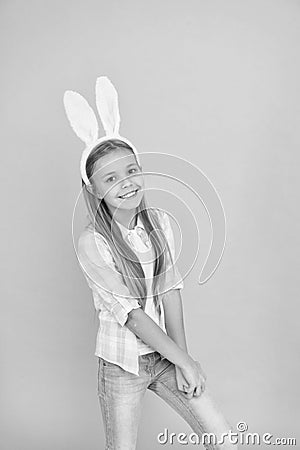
(107, 105)
(81, 116)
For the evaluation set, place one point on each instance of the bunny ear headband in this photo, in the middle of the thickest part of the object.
(84, 122)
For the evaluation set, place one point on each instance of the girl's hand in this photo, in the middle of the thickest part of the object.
(191, 380)
(182, 384)
(203, 378)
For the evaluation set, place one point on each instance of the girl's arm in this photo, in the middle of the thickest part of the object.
(145, 328)
(174, 322)
(101, 276)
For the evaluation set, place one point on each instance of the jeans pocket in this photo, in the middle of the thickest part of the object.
(107, 363)
(104, 362)
(111, 367)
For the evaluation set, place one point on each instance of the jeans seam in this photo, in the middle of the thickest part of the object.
(109, 443)
(98, 377)
(183, 404)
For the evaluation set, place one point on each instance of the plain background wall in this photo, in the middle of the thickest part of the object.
(216, 82)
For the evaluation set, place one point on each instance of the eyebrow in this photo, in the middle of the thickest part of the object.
(110, 173)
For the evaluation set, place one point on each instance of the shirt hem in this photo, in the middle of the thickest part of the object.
(128, 369)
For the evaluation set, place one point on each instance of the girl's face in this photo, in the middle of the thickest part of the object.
(109, 176)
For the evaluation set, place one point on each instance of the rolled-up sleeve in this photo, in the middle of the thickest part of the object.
(174, 279)
(102, 277)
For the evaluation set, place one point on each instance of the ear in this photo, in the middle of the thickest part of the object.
(90, 188)
(81, 117)
(107, 105)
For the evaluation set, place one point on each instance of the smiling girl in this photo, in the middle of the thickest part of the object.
(127, 254)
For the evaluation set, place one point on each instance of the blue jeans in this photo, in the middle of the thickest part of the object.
(120, 394)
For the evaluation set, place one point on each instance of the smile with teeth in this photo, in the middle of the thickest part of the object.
(129, 194)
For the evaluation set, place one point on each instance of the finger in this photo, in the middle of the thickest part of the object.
(189, 395)
(203, 379)
(189, 392)
(183, 388)
(197, 391)
(187, 389)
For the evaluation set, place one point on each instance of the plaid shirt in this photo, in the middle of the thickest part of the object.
(115, 342)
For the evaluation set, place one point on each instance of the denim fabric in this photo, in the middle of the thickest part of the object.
(120, 394)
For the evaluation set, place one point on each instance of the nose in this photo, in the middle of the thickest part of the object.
(126, 183)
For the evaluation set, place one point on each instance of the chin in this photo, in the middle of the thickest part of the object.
(130, 205)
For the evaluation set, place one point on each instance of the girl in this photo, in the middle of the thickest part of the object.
(127, 253)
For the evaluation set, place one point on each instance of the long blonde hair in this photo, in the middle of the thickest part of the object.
(124, 257)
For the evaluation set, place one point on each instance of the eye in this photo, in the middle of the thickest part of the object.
(108, 179)
(135, 169)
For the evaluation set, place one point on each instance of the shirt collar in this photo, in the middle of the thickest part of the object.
(125, 231)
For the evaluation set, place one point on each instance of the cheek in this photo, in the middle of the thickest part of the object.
(101, 189)
(107, 189)
(139, 180)
(112, 192)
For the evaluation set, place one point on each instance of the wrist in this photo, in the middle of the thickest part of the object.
(185, 360)
(180, 341)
